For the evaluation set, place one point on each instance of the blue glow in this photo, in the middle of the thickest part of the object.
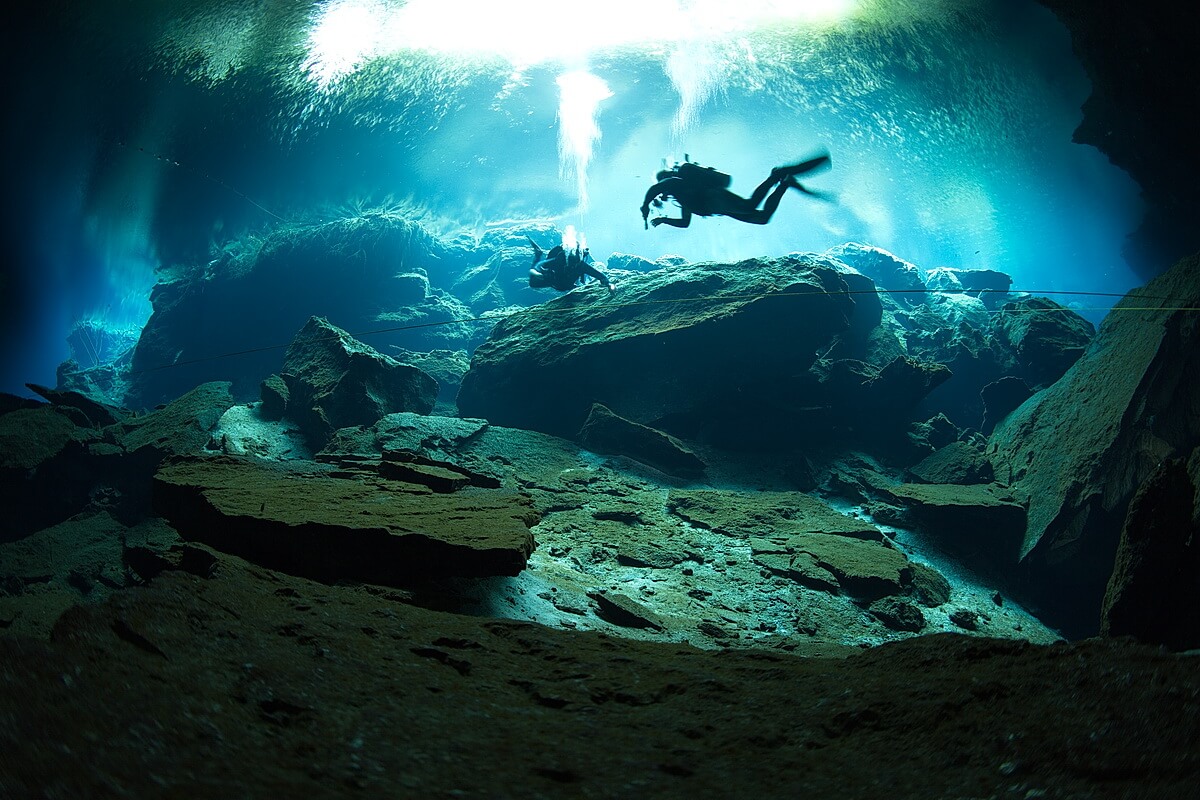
(949, 125)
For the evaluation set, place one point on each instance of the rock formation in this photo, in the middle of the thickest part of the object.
(331, 526)
(334, 381)
(1154, 591)
(1076, 452)
(605, 432)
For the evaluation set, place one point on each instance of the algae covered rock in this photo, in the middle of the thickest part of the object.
(335, 381)
(861, 568)
(319, 525)
(697, 342)
(1076, 452)
(979, 523)
(1154, 591)
(957, 462)
(43, 475)
(606, 432)
(182, 427)
(1046, 337)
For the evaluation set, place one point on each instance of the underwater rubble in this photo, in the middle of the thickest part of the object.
(776, 493)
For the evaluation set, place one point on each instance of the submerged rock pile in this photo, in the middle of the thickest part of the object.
(788, 455)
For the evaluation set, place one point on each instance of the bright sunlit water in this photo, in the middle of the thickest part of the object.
(148, 133)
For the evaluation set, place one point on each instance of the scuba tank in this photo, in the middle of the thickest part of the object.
(707, 177)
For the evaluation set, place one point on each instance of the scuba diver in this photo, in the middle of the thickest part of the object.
(563, 270)
(704, 191)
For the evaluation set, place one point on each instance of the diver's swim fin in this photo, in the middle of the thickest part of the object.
(537, 251)
(821, 162)
(828, 197)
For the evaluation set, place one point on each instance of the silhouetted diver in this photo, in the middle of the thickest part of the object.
(703, 191)
(563, 270)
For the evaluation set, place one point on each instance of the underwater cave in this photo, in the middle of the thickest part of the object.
(439, 398)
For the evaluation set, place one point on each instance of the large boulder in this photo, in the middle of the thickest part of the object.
(1154, 591)
(978, 523)
(60, 458)
(334, 381)
(1046, 337)
(1076, 452)
(705, 345)
(180, 428)
(43, 479)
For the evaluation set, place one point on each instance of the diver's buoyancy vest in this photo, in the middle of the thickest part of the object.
(707, 177)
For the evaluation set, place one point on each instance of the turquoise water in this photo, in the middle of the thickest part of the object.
(148, 134)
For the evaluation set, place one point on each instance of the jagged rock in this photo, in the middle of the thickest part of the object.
(953, 330)
(957, 462)
(855, 399)
(318, 526)
(964, 618)
(958, 311)
(1001, 398)
(31, 436)
(1076, 452)
(943, 279)
(183, 427)
(905, 381)
(44, 474)
(649, 357)
(933, 434)
(95, 414)
(448, 440)
(620, 610)
(447, 367)
(801, 567)
(326, 268)
(897, 614)
(606, 432)
(989, 285)
(12, 402)
(83, 559)
(978, 523)
(407, 431)
(1046, 337)
(336, 382)
(275, 396)
(104, 383)
(1154, 591)
(929, 587)
(441, 476)
(633, 263)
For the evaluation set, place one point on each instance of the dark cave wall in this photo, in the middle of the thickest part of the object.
(1141, 58)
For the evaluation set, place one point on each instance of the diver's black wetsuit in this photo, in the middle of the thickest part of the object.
(562, 271)
(707, 200)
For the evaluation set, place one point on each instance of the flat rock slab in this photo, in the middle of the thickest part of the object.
(863, 569)
(778, 514)
(606, 432)
(344, 529)
(182, 427)
(976, 521)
